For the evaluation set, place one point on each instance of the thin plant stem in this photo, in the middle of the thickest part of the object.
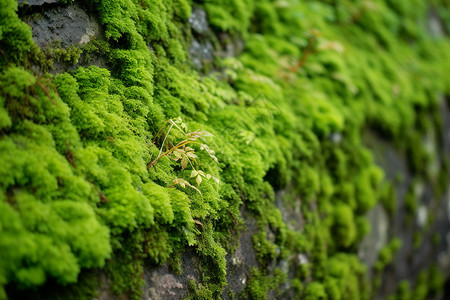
(164, 141)
(182, 143)
(159, 131)
(173, 123)
(191, 163)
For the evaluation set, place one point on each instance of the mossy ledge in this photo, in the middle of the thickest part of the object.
(81, 209)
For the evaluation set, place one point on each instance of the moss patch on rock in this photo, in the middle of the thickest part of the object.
(288, 113)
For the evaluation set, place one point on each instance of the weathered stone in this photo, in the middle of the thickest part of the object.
(291, 213)
(336, 137)
(422, 216)
(198, 21)
(71, 25)
(201, 53)
(302, 259)
(36, 2)
(243, 259)
(165, 287)
(162, 283)
(68, 25)
(206, 45)
(377, 238)
(104, 291)
(63, 26)
(435, 27)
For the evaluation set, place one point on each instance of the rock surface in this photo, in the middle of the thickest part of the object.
(70, 25)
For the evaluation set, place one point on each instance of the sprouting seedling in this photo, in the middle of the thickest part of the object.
(185, 154)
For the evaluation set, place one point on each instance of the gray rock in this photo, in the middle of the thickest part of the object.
(435, 27)
(422, 216)
(69, 25)
(377, 238)
(201, 52)
(198, 21)
(448, 206)
(336, 137)
(291, 213)
(36, 2)
(243, 259)
(161, 283)
(302, 259)
(165, 287)
(206, 45)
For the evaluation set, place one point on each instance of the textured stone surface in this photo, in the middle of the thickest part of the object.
(291, 213)
(434, 23)
(243, 259)
(164, 286)
(36, 2)
(69, 25)
(161, 283)
(207, 45)
(198, 21)
(201, 52)
(377, 238)
(57, 25)
(410, 259)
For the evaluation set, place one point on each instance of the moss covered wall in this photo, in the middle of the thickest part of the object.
(277, 119)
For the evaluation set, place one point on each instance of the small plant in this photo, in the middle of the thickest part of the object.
(184, 154)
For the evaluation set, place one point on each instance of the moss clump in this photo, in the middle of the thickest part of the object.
(428, 284)
(260, 284)
(288, 113)
(388, 199)
(387, 253)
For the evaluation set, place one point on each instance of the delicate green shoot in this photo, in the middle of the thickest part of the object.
(185, 154)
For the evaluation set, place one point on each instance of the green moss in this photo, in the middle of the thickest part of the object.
(417, 239)
(344, 228)
(199, 291)
(315, 291)
(15, 35)
(260, 284)
(441, 183)
(388, 198)
(288, 113)
(230, 15)
(69, 55)
(436, 239)
(411, 203)
(387, 253)
(427, 284)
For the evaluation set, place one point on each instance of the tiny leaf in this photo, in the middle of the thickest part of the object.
(198, 222)
(177, 153)
(184, 162)
(191, 155)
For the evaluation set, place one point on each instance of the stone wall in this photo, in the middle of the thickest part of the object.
(62, 30)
